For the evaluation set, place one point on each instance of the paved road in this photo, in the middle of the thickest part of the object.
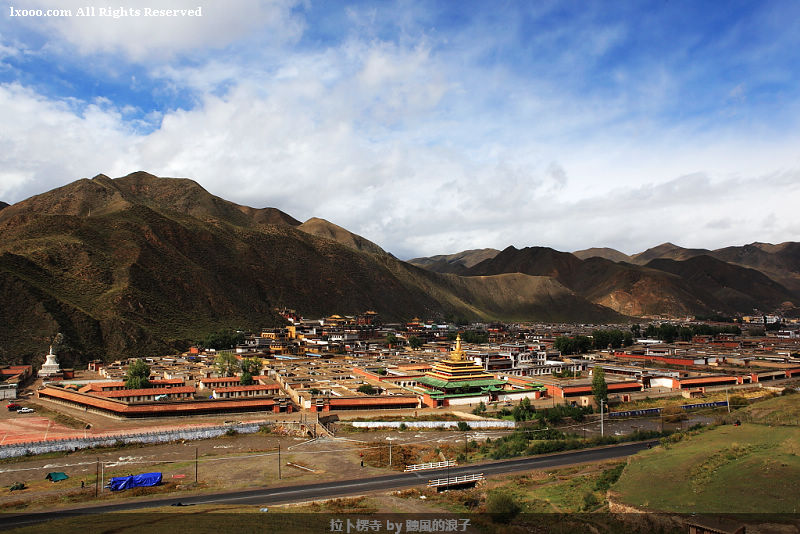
(340, 488)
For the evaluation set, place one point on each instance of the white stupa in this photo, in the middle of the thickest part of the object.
(51, 366)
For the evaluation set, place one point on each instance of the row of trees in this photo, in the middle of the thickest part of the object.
(227, 364)
(615, 338)
(600, 340)
(222, 340)
(670, 332)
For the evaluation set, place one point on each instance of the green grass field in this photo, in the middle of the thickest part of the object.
(783, 410)
(730, 469)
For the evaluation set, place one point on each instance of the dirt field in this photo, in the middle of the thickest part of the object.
(227, 462)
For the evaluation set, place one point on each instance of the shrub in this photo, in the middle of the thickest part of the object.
(609, 477)
(367, 389)
(403, 426)
(463, 426)
(735, 402)
(589, 501)
(501, 506)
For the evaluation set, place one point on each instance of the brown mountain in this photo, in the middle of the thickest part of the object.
(779, 262)
(328, 230)
(136, 265)
(668, 251)
(3, 205)
(457, 263)
(605, 252)
(663, 287)
(734, 287)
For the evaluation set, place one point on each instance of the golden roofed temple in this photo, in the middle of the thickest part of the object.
(459, 376)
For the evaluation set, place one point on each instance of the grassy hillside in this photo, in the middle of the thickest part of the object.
(744, 469)
(784, 410)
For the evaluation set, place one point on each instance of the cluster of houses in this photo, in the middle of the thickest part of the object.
(356, 363)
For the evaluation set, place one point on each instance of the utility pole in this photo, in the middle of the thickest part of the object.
(102, 474)
(96, 478)
(279, 461)
(390, 455)
(728, 400)
(466, 443)
(196, 457)
(602, 431)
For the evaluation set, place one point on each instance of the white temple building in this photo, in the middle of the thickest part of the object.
(51, 366)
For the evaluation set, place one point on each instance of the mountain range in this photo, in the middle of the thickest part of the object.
(140, 265)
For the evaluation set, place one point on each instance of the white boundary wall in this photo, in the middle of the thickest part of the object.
(432, 424)
(71, 444)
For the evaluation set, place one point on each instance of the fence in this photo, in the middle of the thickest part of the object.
(164, 436)
(432, 465)
(433, 424)
(657, 411)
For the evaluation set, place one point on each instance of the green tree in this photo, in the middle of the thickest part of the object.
(475, 337)
(627, 339)
(226, 363)
(573, 345)
(651, 332)
(367, 389)
(599, 386)
(668, 332)
(138, 375)
(246, 379)
(391, 339)
(252, 366)
(224, 339)
(414, 342)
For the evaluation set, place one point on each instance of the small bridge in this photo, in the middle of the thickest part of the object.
(450, 482)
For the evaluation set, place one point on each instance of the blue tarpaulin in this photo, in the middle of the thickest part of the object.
(134, 481)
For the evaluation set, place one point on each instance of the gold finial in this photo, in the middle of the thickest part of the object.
(457, 355)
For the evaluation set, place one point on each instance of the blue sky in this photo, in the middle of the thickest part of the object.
(427, 127)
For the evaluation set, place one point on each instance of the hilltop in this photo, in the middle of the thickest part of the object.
(457, 263)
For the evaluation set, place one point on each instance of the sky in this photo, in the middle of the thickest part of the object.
(427, 127)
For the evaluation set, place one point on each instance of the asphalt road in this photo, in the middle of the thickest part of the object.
(340, 488)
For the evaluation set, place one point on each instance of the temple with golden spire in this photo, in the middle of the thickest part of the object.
(457, 377)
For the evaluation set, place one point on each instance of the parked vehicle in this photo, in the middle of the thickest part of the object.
(13, 407)
(25, 410)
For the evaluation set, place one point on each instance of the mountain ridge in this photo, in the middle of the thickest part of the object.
(456, 263)
(139, 264)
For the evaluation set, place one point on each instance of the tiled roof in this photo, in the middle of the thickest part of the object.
(177, 408)
(435, 382)
(254, 387)
(147, 392)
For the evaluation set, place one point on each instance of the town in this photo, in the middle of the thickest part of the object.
(346, 363)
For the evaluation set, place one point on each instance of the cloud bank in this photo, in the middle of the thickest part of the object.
(423, 128)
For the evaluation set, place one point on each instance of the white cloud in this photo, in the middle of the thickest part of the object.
(46, 143)
(401, 143)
